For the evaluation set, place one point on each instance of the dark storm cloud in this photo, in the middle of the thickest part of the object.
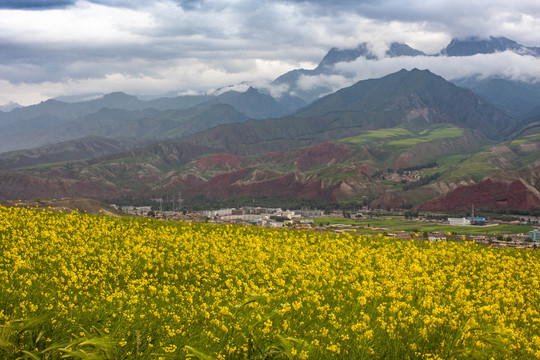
(185, 4)
(35, 4)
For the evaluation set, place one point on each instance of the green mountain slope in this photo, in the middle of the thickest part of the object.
(117, 115)
(148, 124)
(412, 100)
(399, 141)
(74, 150)
(417, 98)
(519, 99)
(505, 175)
(252, 103)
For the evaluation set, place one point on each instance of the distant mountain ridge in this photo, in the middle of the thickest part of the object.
(399, 49)
(456, 48)
(475, 45)
(518, 98)
(336, 55)
(401, 140)
(338, 148)
(258, 104)
(118, 115)
(74, 150)
(422, 95)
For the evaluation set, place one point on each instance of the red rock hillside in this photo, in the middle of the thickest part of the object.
(488, 194)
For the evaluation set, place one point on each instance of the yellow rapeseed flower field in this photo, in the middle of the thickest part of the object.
(94, 287)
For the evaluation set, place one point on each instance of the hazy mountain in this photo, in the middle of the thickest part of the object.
(48, 129)
(252, 103)
(80, 149)
(298, 81)
(147, 124)
(57, 112)
(517, 98)
(119, 115)
(296, 95)
(336, 55)
(303, 96)
(9, 106)
(402, 140)
(400, 49)
(178, 102)
(474, 45)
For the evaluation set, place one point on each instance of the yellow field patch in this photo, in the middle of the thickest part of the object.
(81, 285)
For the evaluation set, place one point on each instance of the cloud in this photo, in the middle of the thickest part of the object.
(35, 4)
(506, 65)
(186, 45)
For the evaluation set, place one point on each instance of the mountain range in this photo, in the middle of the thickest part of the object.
(410, 138)
(332, 64)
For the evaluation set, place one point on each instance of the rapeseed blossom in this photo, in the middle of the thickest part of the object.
(144, 289)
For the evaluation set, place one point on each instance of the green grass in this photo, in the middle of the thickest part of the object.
(334, 174)
(532, 137)
(451, 159)
(526, 139)
(375, 135)
(426, 136)
(475, 167)
(395, 225)
(518, 142)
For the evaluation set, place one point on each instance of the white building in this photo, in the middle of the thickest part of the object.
(221, 212)
(459, 221)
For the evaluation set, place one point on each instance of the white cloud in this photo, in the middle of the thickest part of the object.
(190, 45)
(333, 82)
(506, 65)
(86, 25)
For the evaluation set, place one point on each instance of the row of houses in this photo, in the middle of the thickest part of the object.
(250, 214)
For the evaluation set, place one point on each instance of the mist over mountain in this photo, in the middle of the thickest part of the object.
(337, 148)
(475, 45)
(311, 133)
(9, 106)
(466, 61)
(400, 49)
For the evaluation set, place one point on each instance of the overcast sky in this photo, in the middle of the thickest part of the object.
(51, 48)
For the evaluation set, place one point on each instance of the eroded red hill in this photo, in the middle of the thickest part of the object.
(488, 194)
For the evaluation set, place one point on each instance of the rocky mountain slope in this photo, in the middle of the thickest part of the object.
(475, 45)
(402, 140)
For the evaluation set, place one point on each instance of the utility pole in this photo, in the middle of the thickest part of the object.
(179, 201)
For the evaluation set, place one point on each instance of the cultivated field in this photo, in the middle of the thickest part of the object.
(418, 226)
(97, 287)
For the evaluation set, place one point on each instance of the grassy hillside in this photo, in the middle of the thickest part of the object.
(74, 150)
(415, 96)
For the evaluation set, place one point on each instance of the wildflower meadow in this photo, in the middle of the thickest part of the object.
(80, 286)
